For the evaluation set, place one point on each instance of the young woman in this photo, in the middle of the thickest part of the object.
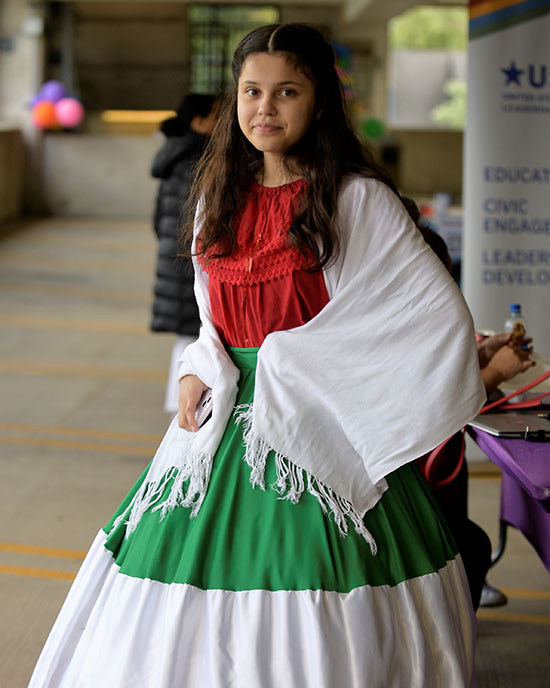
(337, 349)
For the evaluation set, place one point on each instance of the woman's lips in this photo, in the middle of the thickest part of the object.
(266, 128)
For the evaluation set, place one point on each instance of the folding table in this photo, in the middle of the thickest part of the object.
(525, 489)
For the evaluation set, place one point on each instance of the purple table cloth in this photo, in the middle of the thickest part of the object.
(525, 492)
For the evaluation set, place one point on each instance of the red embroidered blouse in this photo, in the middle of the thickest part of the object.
(262, 286)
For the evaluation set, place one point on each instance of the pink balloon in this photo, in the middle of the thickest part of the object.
(69, 112)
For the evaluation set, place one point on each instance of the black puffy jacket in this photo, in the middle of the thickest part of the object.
(174, 306)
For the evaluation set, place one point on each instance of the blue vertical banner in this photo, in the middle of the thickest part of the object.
(506, 247)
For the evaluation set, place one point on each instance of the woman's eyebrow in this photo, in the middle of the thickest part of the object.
(279, 83)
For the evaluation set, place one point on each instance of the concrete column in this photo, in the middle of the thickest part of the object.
(21, 75)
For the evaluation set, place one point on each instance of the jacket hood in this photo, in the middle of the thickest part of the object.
(175, 148)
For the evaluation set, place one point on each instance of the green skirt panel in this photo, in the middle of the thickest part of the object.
(245, 538)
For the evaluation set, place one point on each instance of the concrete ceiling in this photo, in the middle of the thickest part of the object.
(374, 10)
(356, 16)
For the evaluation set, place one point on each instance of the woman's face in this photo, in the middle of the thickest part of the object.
(275, 103)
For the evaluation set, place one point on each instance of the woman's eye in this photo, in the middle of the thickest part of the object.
(251, 92)
(287, 92)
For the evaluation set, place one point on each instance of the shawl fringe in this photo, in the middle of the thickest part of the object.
(197, 470)
(291, 483)
(292, 480)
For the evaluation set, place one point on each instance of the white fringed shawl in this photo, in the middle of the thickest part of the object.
(383, 374)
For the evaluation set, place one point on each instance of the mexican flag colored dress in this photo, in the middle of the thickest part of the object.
(256, 590)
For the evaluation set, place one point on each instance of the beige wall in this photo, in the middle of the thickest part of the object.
(430, 161)
(108, 175)
(101, 175)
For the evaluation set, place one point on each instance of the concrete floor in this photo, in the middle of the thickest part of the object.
(82, 383)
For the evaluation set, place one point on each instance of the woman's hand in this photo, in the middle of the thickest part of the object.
(504, 364)
(191, 390)
(488, 346)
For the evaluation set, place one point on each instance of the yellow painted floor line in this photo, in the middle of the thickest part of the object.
(17, 258)
(80, 432)
(78, 370)
(97, 226)
(110, 295)
(37, 573)
(42, 551)
(144, 244)
(527, 594)
(508, 617)
(87, 446)
(486, 475)
(70, 324)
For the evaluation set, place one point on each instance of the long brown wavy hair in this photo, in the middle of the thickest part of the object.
(328, 152)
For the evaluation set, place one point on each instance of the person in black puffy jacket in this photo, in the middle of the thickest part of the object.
(174, 307)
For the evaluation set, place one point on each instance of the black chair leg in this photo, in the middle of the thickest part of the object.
(502, 533)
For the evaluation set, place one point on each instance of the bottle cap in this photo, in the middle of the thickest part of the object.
(515, 308)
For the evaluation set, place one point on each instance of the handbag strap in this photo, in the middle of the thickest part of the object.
(436, 454)
(525, 388)
(528, 403)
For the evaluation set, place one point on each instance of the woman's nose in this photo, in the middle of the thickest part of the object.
(267, 106)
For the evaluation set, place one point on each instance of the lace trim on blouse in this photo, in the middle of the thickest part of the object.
(261, 253)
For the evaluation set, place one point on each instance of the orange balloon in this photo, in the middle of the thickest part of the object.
(43, 115)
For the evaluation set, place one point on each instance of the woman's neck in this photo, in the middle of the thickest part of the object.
(276, 173)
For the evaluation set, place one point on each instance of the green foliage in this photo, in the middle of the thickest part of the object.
(429, 28)
(452, 112)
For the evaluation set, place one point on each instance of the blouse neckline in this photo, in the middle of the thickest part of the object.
(261, 252)
(296, 185)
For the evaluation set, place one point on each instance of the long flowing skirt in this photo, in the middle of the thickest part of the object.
(257, 592)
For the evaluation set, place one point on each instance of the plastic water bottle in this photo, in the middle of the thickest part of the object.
(515, 316)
